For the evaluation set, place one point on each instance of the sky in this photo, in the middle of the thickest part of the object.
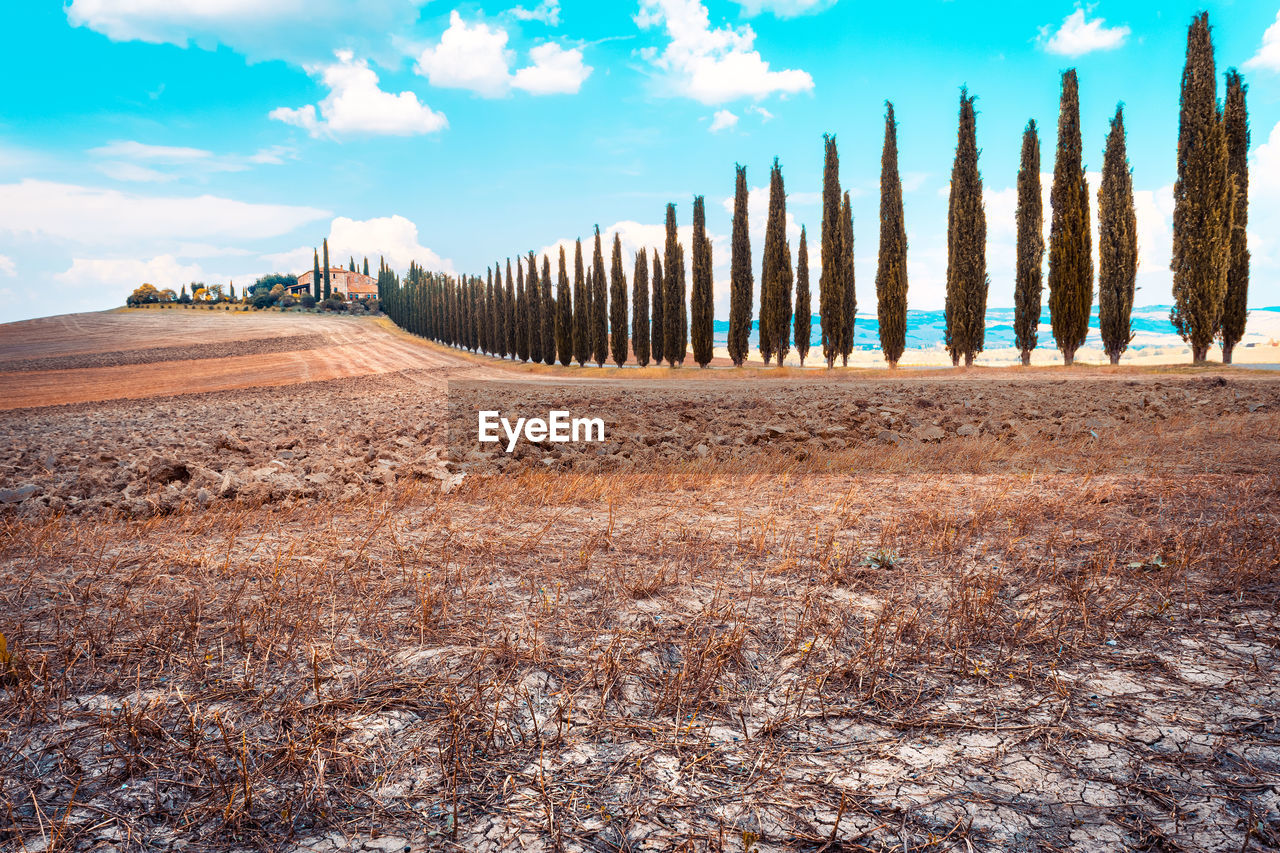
(171, 141)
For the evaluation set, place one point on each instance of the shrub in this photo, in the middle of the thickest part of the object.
(308, 301)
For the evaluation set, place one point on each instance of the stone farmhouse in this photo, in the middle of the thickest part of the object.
(352, 285)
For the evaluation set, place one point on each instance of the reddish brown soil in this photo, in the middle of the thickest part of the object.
(335, 347)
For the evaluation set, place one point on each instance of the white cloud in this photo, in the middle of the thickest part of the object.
(294, 30)
(913, 181)
(469, 56)
(1264, 170)
(131, 150)
(394, 238)
(1078, 36)
(1268, 55)
(758, 216)
(784, 8)
(95, 216)
(129, 160)
(475, 57)
(548, 12)
(712, 65)
(1264, 219)
(555, 71)
(134, 173)
(122, 275)
(764, 114)
(7, 266)
(723, 120)
(356, 105)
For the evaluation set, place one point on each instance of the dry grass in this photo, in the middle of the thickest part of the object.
(966, 646)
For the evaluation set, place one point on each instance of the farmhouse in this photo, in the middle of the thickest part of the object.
(352, 285)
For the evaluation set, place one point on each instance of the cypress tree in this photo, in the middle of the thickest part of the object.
(617, 305)
(1235, 118)
(564, 315)
(674, 343)
(533, 296)
(831, 280)
(741, 283)
(1117, 243)
(657, 318)
(891, 265)
(1202, 200)
(548, 314)
(495, 312)
(849, 306)
(787, 283)
(366, 264)
(599, 306)
(512, 320)
(522, 314)
(352, 264)
(804, 318)
(966, 307)
(581, 333)
(1029, 280)
(327, 291)
(589, 290)
(701, 298)
(640, 308)
(1070, 243)
(771, 274)
(315, 274)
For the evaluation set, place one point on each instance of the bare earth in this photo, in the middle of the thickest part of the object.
(260, 609)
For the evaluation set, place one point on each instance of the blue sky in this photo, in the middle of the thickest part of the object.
(216, 140)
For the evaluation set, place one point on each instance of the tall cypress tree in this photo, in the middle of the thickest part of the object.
(674, 343)
(499, 312)
(564, 315)
(891, 265)
(849, 308)
(548, 314)
(701, 298)
(1117, 243)
(497, 333)
(327, 291)
(599, 306)
(617, 305)
(657, 318)
(640, 308)
(966, 307)
(366, 264)
(581, 327)
(741, 283)
(771, 275)
(1235, 119)
(488, 335)
(352, 264)
(1029, 281)
(522, 314)
(315, 274)
(831, 279)
(1070, 243)
(804, 317)
(1202, 200)
(513, 313)
(533, 296)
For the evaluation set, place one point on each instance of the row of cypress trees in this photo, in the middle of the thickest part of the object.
(529, 320)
